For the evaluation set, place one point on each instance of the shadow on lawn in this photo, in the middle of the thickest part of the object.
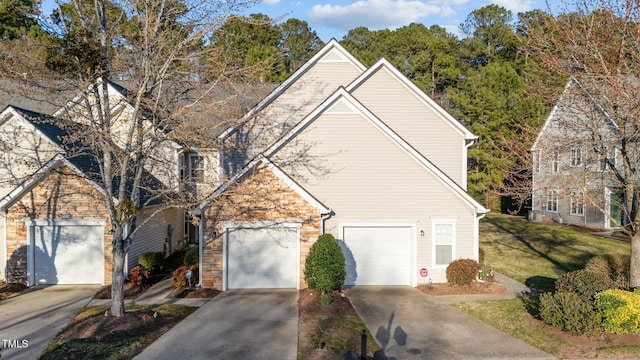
(543, 240)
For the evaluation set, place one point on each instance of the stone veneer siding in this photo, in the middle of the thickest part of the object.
(260, 196)
(61, 192)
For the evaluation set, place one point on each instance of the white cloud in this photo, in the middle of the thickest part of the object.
(516, 6)
(378, 14)
(271, 2)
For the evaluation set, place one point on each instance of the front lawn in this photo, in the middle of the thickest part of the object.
(537, 254)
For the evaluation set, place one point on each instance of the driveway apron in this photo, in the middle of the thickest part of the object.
(411, 325)
(237, 324)
(28, 322)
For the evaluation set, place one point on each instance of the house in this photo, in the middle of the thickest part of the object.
(338, 148)
(574, 159)
(54, 228)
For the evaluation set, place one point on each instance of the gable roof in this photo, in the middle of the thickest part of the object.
(347, 99)
(279, 173)
(19, 191)
(564, 97)
(424, 98)
(332, 45)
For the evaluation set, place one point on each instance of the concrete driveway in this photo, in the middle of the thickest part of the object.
(28, 322)
(410, 325)
(237, 324)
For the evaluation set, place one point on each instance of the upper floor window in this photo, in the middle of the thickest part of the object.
(552, 200)
(576, 157)
(555, 160)
(196, 168)
(536, 161)
(609, 155)
(577, 203)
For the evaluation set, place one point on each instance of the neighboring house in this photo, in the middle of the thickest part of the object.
(573, 157)
(54, 228)
(359, 153)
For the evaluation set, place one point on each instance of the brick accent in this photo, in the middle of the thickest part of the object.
(60, 192)
(261, 196)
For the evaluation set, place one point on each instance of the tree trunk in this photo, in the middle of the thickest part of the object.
(634, 273)
(117, 283)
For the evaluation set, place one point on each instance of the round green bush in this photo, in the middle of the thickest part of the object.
(324, 269)
(191, 256)
(585, 283)
(567, 311)
(152, 261)
(462, 272)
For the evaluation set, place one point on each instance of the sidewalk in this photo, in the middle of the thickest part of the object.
(514, 290)
(156, 295)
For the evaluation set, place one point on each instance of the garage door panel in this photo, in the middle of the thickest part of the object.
(377, 255)
(68, 254)
(262, 258)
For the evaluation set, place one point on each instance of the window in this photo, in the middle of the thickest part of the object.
(444, 234)
(555, 158)
(611, 156)
(577, 203)
(576, 157)
(536, 161)
(552, 200)
(196, 168)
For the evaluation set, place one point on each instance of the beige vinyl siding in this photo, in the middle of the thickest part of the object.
(304, 95)
(416, 122)
(363, 176)
(22, 152)
(153, 233)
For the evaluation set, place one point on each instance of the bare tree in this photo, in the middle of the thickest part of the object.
(153, 48)
(596, 45)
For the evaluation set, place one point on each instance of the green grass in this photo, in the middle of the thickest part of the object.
(537, 254)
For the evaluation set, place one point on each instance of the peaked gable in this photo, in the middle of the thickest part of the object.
(345, 102)
(332, 52)
(384, 65)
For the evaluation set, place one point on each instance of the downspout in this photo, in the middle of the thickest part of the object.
(323, 218)
(4, 240)
(466, 162)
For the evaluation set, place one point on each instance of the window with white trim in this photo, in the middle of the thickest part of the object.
(576, 157)
(577, 203)
(610, 156)
(196, 168)
(555, 160)
(552, 200)
(444, 236)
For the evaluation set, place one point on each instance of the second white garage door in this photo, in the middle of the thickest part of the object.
(262, 258)
(68, 254)
(377, 255)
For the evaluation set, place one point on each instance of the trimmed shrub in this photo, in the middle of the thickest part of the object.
(179, 278)
(191, 256)
(620, 268)
(462, 272)
(567, 311)
(138, 275)
(152, 261)
(324, 269)
(620, 311)
(585, 283)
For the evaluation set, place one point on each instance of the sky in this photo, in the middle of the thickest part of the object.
(334, 18)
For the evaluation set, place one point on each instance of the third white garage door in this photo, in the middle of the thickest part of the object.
(262, 258)
(377, 255)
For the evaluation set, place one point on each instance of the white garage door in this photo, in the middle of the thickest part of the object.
(68, 254)
(262, 258)
(377, 255)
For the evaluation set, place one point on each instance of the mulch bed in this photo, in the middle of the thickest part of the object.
(192, 293)
(10, 289)
(475, 288)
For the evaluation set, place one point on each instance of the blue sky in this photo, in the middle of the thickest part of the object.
(334, 18)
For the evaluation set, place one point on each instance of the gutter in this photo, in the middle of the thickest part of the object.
(323, 218)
